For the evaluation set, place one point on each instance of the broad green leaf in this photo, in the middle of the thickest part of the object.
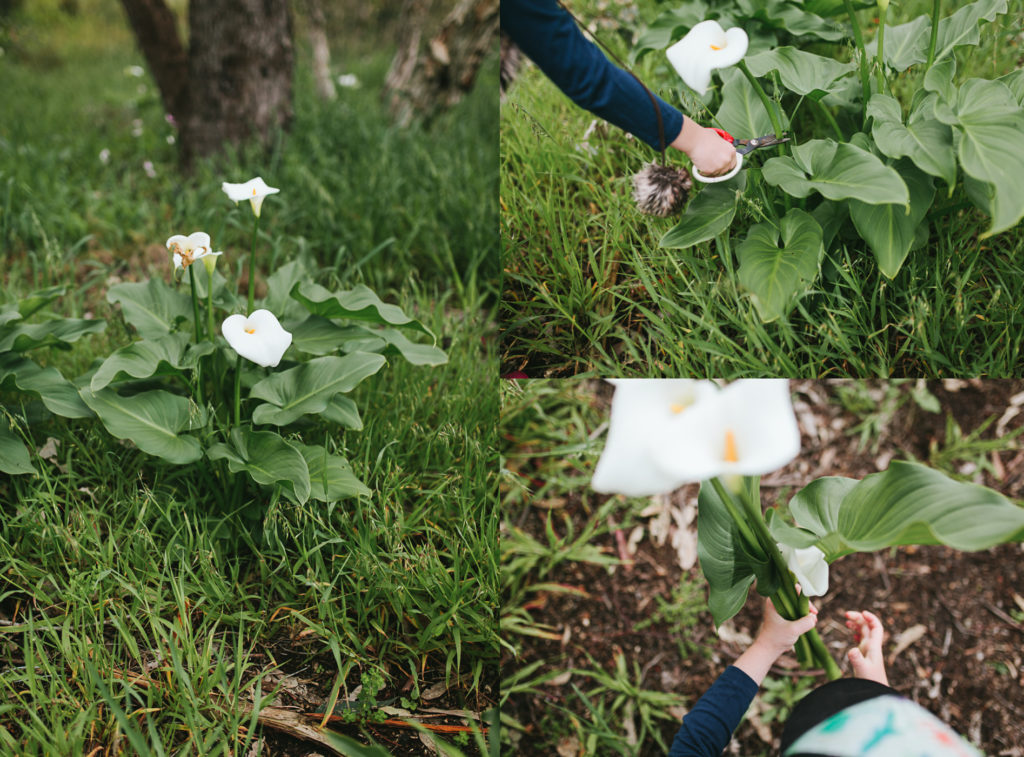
(1015, 81)
(359, 304)
(941, 79)
(669, 26)
(799, 71)
(905, 44)
(777, 274)
(9, 312)
(161, 356)
(14, 455)
(317, 335)
(815, 508)
(416, 353)
(322, 336)
(926, 141)
(907, 504)
(989, 140)
(742, 113)
(888, 229)
(797, 21)
(58, 394)
(787, 534)
(343, 411)
(727, 565)
(834, 7)
(267, 458)
(309, 387)
(838, 171)
(962, 27)
(154, 420)
(20, 336)
(279, 288)
(330, 476)
(709, 214)
(36, 301)
(152, 307)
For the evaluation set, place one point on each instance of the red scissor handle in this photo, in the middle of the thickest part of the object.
(725, 135)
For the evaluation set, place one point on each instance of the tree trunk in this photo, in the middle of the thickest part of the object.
(240, 74)
(321, 50)
(432, 72)
(235, 80)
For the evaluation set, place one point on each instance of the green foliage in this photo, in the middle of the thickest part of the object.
(708, 215)
(780, 695)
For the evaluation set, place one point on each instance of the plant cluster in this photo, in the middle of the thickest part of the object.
(183, 392)
(889, 161)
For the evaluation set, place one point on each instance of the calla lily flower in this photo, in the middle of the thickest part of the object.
(809, 568)
(705, 47)
(747, 429)
(253, 190)
(189, 249)
(641, 411)
(258, 337)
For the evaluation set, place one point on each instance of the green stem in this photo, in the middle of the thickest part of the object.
(195, 303)
(772, 114)
(238, 391)
(879, 61)
(832, 120)
(936, 11)
(865, 75)
(252, 264)
(209, 307)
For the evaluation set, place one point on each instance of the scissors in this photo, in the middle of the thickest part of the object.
(743, 146)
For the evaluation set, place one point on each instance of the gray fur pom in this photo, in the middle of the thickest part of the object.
(661, 190)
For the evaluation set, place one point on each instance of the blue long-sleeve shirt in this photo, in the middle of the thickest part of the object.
(550, 38)
(708, 726)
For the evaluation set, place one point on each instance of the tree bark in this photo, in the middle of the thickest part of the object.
(233, 83)
(321, 50)
(157, 34)
(240, 74)
(432, 73)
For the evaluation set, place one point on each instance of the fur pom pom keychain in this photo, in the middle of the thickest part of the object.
(661, 190)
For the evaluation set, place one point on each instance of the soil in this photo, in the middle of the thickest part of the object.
(954, 641)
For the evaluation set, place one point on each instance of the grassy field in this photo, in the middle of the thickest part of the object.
(587, 289)
(134, 617)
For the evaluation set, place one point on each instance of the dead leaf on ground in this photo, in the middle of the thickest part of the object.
(905, 639)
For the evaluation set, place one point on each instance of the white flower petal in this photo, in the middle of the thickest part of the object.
(809, 568)
(641, 409)
(253, 190)
(187, 249)
(705, 47)
(259, 338)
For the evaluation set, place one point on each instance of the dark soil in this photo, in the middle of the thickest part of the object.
(967, 664)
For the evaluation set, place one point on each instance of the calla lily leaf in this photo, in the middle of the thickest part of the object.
(905, 44)
(21, 337)
(279, 288)
(343, 411)
(321, 336)
(154, 420)
(14, 455)
(799, 71)
(888, 229)
(58, 394)
(777, 266)
(162, 356)
(359, 303)
(708, 215)
(907, 504)
(153, 308)
(309, 387)
(36, 301)
(838, 170)
(330, 476)
(925, 140)
(742, 112)
(268, 459)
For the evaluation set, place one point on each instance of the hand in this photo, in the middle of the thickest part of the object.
(710, 154)
(779, 634)
(866, 657)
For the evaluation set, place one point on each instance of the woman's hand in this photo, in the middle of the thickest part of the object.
(710, 154)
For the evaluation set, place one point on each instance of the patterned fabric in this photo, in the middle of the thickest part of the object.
(885, 726)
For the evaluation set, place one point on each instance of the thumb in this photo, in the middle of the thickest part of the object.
(806, 623)
(855, 655)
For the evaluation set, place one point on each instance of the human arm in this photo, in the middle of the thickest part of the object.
(549, 36)
(707, 728)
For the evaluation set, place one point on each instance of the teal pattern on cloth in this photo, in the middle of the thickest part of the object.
(885, 726)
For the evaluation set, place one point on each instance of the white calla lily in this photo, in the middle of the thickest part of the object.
(258, 337)
(747, 429)
(253, 190)
(641, 409)
(705, 47)
(189, 249)
(809, 568)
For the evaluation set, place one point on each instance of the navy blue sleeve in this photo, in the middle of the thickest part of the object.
(550, 38)
(707, 727)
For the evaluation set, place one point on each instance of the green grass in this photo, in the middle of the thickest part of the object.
(134, 616)
(587, 289)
